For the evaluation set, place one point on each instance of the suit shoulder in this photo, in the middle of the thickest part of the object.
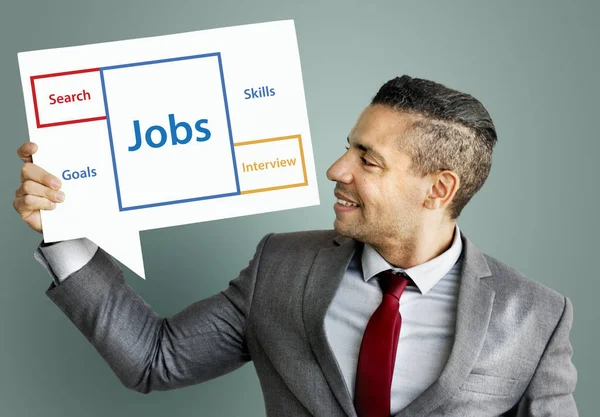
(303, 240)
(293, 251)
(508, 278)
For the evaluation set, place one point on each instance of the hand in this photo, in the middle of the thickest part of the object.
(38, 190)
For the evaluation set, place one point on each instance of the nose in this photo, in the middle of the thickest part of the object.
(340, 171)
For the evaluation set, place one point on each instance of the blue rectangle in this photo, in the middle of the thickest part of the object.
(115, 171)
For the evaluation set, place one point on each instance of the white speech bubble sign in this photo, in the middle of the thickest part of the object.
(169, 130)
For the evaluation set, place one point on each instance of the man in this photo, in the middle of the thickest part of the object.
(393, 313)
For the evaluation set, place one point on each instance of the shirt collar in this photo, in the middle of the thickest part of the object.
(425, 275)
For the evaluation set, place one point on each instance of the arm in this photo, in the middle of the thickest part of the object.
(550, 391)
(147, 352)
(61, 259)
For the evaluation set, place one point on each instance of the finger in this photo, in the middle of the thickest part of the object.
(32, 203)
(26, 150)
(33, 172)
(33, 188)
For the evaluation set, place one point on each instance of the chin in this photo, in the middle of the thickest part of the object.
(346, 230)
(339, 227)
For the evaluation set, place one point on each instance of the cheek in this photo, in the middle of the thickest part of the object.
(381, 197)
(414, 198)
(399, 198)
(370, 193)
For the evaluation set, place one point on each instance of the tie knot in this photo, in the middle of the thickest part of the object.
(393, 284)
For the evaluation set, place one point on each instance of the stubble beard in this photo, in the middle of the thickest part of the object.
(357, 230)
(375, 233)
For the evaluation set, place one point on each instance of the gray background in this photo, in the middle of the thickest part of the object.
(533, 64)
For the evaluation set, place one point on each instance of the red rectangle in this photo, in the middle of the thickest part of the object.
(59, 74)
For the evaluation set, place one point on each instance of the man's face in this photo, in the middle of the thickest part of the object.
(378, 201)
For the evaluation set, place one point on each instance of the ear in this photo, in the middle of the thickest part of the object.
(444, 186)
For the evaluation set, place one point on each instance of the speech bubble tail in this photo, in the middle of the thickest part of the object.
(124, 245)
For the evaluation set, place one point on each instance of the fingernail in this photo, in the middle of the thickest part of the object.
(55, 184)
(60, 196)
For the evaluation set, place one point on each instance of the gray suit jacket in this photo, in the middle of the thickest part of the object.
(511, 355)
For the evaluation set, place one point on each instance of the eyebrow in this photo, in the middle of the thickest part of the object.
(368, 150)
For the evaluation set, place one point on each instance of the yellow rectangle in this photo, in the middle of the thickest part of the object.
(280, 187)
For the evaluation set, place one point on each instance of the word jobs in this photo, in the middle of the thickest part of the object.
(160, 138)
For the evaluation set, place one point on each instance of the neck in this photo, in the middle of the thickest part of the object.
(425, 244)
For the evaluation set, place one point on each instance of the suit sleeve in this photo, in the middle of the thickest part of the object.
(61, 259)
(550, 392)
(150, 353)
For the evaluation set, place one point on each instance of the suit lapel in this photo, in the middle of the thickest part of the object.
(323, 281)
(474, 309)
(475, 301)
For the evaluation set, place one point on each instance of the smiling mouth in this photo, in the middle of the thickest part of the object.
(346, 203)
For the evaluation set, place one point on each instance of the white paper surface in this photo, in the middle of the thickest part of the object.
(169, 130)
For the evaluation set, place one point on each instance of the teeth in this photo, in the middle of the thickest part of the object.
(346, 203)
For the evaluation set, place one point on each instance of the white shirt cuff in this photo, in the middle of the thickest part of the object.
(66, 257)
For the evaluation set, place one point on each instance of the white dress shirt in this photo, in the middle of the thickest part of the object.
(64, 258)
(428, 319)
(428, 311)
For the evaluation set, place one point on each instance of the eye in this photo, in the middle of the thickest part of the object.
(362, 159)
(365, 162)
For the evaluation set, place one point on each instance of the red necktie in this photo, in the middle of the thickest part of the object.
(378, 350)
